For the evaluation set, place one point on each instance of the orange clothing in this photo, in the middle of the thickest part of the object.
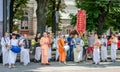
(62, 52)
(44, 42)
(50, 41)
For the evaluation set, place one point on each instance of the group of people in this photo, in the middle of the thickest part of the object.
(43, 44)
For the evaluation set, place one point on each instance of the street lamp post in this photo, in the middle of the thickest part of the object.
(4, 16)
(57, 15)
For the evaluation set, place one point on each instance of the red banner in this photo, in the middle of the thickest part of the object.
(81, 22)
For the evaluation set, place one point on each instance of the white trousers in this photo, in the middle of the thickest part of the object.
(57, 54)
(25, 56)
(81, 53)
(5, 55)
(113, 51)
(12, 57)
(96, 55)
(103, 53)
(76, 55)
(49, 53)
(38, 53)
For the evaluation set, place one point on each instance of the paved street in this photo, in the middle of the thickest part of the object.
(70, 67)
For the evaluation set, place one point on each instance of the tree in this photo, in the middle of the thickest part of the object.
(53, 6)
(97, 13)
(41, 14)
(113, 18)
(16, 11)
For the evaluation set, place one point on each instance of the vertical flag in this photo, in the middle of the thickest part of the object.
(81, 22)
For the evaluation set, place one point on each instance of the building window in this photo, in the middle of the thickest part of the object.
(24, 22)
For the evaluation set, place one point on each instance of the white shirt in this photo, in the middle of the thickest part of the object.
(14, 42)
(5, 40)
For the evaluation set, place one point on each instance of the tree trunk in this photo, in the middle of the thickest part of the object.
(102, 18)
(53, 19)
(41, 15)
(11, 15)
(101, 23)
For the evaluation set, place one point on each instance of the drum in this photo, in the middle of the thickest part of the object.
(66, 47)
(15, 49)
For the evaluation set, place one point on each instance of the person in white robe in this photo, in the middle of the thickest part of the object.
(12, 55)
(104, 48)
(77, 48)
(96, 50)
(114, 41)
(5, 42)
(56, 46)
(25, 49)
(81, 49)
(38, 48)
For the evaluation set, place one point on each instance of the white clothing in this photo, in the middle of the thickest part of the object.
(24, 55)
(5, 51)
(81, 49)
(49, 53)
(113, 51)
(37, 53)
(57, 52)
(104, 49)
(76, 55)
(96, 51)
(12, 55)
(96, 55)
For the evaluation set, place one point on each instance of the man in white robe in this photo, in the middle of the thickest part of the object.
(38, 48)
(5, 42)
(56, 45)
(25, 49)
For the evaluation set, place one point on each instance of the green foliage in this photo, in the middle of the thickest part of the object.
(50, 10)
(15, 27)
(100, 14)
(16, 11)
(73, 19)
(18, 8)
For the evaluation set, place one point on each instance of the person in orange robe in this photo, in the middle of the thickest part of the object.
(44, 42)
(62, 52)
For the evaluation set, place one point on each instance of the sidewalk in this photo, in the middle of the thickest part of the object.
(70, 67)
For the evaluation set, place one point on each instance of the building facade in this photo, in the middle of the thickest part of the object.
(29, 24)
(65, 25)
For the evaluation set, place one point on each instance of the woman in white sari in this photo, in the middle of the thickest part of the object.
(96, 50)
(5, 42)
(104, 48)
(113, 47)
(76, 46)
